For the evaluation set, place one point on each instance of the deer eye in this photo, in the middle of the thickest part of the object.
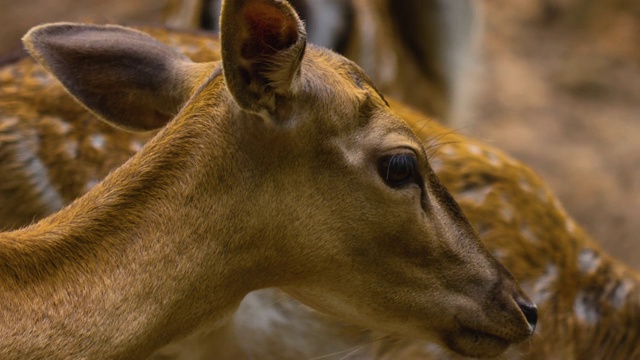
(399, 169)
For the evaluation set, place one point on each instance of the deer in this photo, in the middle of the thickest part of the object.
(589, 301)
(278, 166)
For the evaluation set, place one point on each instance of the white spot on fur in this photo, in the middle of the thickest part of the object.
(541, 290)
(476, 194)
(525, 230)
(584, 309)
(97, 141)
(299, 332)
(619, 294)
(71, 148)
(588, 261)
(448, 150)
(506, 213)
(494, 159)
(559, 207)
(500, 254)
(136, 145)
(524, 184)
(474, 149)
(570, 225)
(90, 184)
(39, 177)
(436, 351)
(42, 77)
(61, 127)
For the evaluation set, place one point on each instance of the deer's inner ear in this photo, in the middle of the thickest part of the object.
(262, 49)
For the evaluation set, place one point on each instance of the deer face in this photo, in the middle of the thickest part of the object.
(390, 249)
(385, 245)
(336, 201)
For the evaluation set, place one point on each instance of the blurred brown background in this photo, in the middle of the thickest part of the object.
(559, 88)
(557, 85)
(17, 17)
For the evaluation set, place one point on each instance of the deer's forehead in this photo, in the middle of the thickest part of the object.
(336, 85)
(382, 132)
(324, 67)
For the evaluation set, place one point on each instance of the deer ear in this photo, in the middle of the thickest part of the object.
(263, 42)
(124, 76)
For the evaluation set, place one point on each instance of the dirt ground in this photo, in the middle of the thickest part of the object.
(557, 86)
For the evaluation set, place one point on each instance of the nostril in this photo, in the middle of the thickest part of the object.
(530, 312)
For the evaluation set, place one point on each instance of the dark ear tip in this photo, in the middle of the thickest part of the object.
(272, 26)
(269, 17)
(37, 37)
(32, 37)
(37, 32)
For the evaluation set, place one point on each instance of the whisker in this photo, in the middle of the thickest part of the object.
(280, 299)
(441, 135)
(434, 138)
(350, 351)
(435, 149)
(440, 144)
(427, 122)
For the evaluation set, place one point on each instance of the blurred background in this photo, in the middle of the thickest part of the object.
(558, 87)
(555, 83)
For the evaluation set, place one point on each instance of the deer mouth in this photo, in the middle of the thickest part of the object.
(476, 343)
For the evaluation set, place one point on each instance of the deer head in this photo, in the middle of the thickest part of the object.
(280, 166)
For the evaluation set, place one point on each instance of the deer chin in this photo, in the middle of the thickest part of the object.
(475, 343)
(472, 339)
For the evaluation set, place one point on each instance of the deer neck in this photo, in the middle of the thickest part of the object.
(114, 266)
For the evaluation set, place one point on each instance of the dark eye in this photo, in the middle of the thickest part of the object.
(398, 170)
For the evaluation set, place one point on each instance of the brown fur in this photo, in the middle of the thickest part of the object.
(517, 217)
(222, 202)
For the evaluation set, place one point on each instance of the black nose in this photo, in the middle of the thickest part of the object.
(530, 312)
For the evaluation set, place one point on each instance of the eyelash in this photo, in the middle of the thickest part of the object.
(399, 169)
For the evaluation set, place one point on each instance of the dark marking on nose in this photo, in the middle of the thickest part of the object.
(530, 312)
